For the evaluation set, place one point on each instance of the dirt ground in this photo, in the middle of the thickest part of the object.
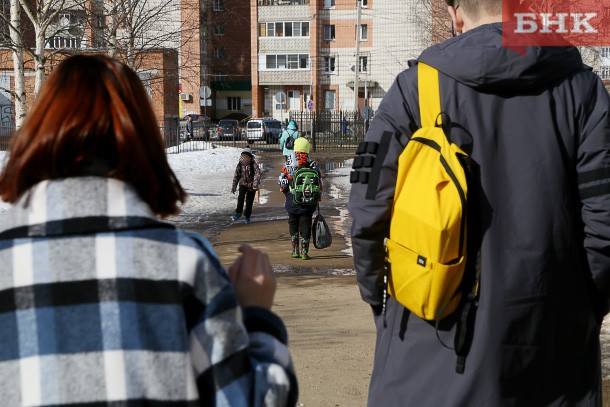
(331, 331)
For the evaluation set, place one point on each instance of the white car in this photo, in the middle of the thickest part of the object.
(267, 129)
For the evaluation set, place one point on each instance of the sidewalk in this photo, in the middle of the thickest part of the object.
(330, 329)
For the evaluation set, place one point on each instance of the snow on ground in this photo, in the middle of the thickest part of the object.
(207, 176)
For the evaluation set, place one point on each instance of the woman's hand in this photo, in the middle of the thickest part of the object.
(253, 278)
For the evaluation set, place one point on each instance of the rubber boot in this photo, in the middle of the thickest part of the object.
(305, 249)
(295, 246)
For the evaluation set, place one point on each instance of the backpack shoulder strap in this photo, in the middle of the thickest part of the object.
(429, 95)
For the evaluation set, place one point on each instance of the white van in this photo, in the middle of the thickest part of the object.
(267, 129)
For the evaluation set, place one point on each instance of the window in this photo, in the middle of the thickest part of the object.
(64, 20)
(291, 61)
(365, 3)
(329, 99)
(363, 64)
(605, 52)
(294, 100)
(271, 62)
(329, 64)
(219, 53)
(284, 29)
(262, 29)
(233, 103)
(604, 72)
(279, 29)
(219, 5)
(329, 3)
(219, 29)
(364, 32)
(329, 32)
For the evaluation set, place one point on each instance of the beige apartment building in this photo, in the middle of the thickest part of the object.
(312, 52)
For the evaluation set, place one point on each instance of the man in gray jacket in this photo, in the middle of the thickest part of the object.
(537, 127)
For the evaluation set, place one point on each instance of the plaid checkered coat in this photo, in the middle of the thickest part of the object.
(100, 305)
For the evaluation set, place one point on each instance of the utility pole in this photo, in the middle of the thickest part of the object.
(357, 63)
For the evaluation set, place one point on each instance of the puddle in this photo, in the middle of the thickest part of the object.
(331, 166)
(312, 271)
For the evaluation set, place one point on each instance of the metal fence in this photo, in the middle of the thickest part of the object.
(6, 133)
(342, 130)
(331, 130)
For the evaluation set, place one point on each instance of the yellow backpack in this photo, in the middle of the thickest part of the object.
(426, 248)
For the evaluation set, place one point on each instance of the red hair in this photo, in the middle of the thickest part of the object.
(92, 117)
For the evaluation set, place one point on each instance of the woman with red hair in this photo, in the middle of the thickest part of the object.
(102, 302)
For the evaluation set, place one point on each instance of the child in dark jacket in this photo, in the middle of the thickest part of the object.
(248, 177)
(299, 216)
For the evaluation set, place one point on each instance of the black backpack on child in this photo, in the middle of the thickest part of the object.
(289, 142)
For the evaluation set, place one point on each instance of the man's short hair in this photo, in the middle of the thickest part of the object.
(474, 7)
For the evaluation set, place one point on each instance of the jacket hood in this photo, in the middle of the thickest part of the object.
(478, 59)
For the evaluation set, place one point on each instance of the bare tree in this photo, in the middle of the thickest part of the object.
(41, 16)
(435, 19)
(18, 61)
(130, 28)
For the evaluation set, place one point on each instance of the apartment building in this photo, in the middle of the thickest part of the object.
(146, 41)
(216, 54)
(312, 53)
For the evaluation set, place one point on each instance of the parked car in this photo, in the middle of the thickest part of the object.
(201, 127)
(228, 129)
(267, 129)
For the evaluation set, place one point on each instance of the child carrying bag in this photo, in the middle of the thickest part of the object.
(321, 232)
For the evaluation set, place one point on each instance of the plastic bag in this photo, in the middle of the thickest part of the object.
(321, 232)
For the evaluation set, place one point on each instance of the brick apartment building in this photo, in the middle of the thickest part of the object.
(217, 56)
(312, 50)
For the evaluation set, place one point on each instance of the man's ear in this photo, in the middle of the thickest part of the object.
(457, 21)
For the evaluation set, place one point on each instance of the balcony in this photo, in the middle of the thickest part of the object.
(283, 2)
(59, 42)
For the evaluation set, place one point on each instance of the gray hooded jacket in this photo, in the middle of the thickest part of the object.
(538, 128)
